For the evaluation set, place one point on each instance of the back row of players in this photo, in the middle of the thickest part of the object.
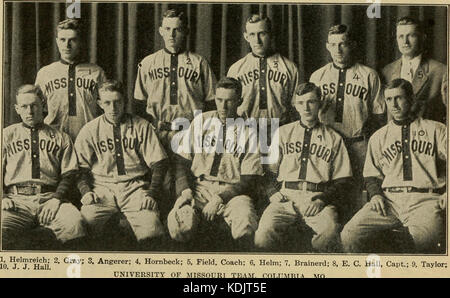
(115, 151)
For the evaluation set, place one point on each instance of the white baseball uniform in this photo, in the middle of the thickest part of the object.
(218, 173)
(268, 84)
(37, 165)
(117, 158)
(403, 166)
(312, 162)
(71, 94)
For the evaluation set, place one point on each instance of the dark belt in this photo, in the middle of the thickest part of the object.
(303, 185)
(29, 189)
(164, 126)
(414, 189)
(351, 141)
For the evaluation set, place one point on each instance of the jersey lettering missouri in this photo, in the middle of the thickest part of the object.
(118, 153)
(40, 154)
(268, 84)
(310, 154)
(405, 155)
(354, 93)
(174, 85)
(228, 162)
(71, 94)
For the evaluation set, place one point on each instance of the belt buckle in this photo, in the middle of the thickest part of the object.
(408, 189)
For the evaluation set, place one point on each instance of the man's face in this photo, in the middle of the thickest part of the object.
(307, 105)
(409, 40)
(113, 105)
(227, 103)
(258, 37)
(397, 103)
(339, 47)
(29, 107)
(69, 44)
(173, 32)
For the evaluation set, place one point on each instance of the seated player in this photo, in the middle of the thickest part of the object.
(223, 168)
(38, 166)
(404, 179)
(115, 152)
(313, 168)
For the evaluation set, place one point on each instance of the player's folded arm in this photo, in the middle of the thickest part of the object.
(238, 188)
(159, 170)
(83, 179)
(373, 186)
(67, 179)
(335, 191)
(182, 174)
(273, 186)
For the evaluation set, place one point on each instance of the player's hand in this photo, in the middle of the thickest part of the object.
(277, 198)
(8, 204)
(377, 204)
(186, 196)
(443, 201)
(90, 198)
(211, 209)
(314, 208)
(48, 211)
(148, 203)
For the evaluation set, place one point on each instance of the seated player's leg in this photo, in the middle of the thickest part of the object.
(16, 222)
(240, 214)
(326, 228)
(273, 224)
(68, 223)
(424, 220)
(364, 223)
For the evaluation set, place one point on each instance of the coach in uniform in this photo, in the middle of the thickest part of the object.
(116, 151)
(69, 85)
(405, 183)
(427, 76)
(38, 167)
(353, 105)
(223, 168)
(313, 169)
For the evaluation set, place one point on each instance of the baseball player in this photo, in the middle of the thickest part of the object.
(313, 169)
(224, 168)
(426, 75)
(38, 167)
(70, 85)
(268, 79)
(353, 105)
(116, 151)
(406, 186)
(173, 82)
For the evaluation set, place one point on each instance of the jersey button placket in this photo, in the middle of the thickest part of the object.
(118, 150)
(173, 79)
(35, 162)
(406, 153)
(71, 91)
(262, 83)
(305, 154)
(340, 96)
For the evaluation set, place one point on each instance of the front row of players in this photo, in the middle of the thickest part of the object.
(119, 164)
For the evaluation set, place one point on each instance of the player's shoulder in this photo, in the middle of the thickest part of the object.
(11, 129)
(365, 69)
(287, 128)
(331, 132)
(91, 66)
(241, 62)
(428, 123)
(151, 58)
(50, 67)
(382, 133)
(321, 71)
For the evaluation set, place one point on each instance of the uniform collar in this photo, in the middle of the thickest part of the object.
(344, 68)
(306, 127)
(403, 122)
(269, 54)
(67, 63)
(182, 50)
(37, 126)
(124, 119)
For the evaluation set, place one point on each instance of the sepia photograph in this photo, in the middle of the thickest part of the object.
(284, 129)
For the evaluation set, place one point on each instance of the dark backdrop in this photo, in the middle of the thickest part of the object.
(119, 35)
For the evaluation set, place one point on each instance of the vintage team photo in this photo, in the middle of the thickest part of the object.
(248, 128)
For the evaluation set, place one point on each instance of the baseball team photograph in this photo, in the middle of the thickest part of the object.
(219, 127)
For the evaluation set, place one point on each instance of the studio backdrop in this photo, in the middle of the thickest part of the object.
(120, 35)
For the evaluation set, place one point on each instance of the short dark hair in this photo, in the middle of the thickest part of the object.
(407, 20)
(230, 83)
(342, 29)
(30, 89)
(111, 86)
(255, 18)
(70, 24)
(308, 87)
(407, 87)
(173, 13)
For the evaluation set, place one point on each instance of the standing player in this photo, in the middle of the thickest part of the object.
(313, 168)
(38, 167)
(173, 82)
(402, 176)
(426, 75)
(69, 85)
(223, 169)
(352, 94)
(268, 79)
(115, 152)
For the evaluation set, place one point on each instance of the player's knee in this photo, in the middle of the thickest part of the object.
(71, 223)
(349, 239)
(152, 228)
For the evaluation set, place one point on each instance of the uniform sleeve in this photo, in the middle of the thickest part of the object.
(251, 161)
(186, 141)
(69, 160)
(4, 160)
(315, 78)
(209, 81)
(441, 138)
(444, 88)
(371, 165)
(376, 98)
(341, 167)
(85, 151)
(140, 92)
(151, 147)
